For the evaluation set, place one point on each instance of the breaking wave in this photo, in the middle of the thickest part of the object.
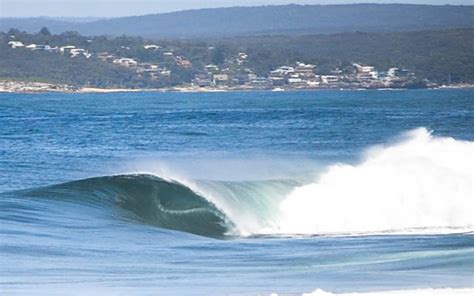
(419, 184)
(422, 183)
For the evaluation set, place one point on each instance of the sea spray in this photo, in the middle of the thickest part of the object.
(423, 183)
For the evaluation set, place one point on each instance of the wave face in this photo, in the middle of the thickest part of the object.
(151, 200)
(422, 183)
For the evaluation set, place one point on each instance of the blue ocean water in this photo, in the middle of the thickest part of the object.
(236, 193)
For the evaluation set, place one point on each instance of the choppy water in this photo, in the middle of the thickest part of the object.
(237, 193)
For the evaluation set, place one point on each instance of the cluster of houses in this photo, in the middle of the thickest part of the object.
(147, 70)
(301, 76)
(69, 50)
(235, 73)
(152, 71)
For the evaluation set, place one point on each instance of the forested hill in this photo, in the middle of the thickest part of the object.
(268, 20)
(440, 56)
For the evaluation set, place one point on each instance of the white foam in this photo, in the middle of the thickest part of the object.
(421, 184)
(418, 292)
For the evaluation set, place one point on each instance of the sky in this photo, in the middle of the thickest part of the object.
(116, 8)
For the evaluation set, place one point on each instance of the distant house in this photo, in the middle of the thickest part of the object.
(366, 72)
(283, 71)
(312, 82)
(54, 49)
(212, 68)
(38, 47)
(144, 65)
(183, 62)
(397, 72)
(151, 46)
(75, 52)
(16, 44)
(261, 82)
(243, 55)
(305, 70)
(364, 69)
(202, 80)
(105, 56)
(329, 79)
(296, 82)
(153, 70)
(241, 79)
(221, 78)
(126, 62)
(164, 73)
(277, 81)
(66, 48)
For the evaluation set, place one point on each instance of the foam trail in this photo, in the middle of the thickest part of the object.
(422, 183)
(418, 292)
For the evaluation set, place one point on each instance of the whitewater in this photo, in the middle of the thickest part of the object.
(417, 183)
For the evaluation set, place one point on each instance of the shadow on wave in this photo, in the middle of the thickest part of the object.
(151, 200)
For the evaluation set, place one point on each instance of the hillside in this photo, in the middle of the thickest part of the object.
(439, 56)
(433, 55)
(269, 20)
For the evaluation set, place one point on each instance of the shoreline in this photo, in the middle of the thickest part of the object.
(40, 87)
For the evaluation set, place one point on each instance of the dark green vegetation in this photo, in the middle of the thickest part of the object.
(25, 64)
(432, 55)
(270, 20)
(28, 65)
(439, 56)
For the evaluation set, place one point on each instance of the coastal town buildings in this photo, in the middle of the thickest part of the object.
(16, 44)
(126, 62)
(233, 71)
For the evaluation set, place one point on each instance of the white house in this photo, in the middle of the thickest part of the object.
(79, 51)
(327, 79)
(212, 68)
(283, 71)
(151, 46)
(366, 72)
(16, 44)
(66, 48)
(127, 62)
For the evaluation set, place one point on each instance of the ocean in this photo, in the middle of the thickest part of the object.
(239, 193)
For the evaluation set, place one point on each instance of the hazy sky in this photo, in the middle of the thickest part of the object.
(113, 8)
